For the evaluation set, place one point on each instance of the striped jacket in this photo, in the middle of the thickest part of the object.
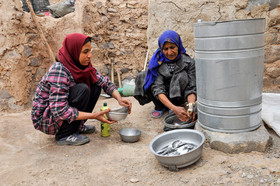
(50, 105)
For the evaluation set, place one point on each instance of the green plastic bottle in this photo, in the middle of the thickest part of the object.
(105, 127)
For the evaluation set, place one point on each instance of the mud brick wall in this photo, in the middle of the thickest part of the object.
(123, 31)
(180, 15)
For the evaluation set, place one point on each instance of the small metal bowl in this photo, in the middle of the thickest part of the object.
(130, 135)
(118, 114)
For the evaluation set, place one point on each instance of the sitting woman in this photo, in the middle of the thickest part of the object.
(67, 93)
(170, 81)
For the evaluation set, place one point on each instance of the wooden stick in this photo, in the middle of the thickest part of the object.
(40, 30)
(119, 78)
(112, 71)
(147, 55)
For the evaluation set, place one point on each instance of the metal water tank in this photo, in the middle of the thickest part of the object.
(229, 59)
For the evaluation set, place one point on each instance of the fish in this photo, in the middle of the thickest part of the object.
(177, 147)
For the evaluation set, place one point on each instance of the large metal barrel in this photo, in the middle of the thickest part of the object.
(229, 60)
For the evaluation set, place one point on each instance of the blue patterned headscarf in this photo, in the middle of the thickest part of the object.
(158, 58)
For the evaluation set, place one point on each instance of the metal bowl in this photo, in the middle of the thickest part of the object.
(118, 114)
(130, 135)
(172, 122)
(174, 162)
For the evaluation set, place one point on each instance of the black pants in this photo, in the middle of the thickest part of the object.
(158, 104)
(83, 99)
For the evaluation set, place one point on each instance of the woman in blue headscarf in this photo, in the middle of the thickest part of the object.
(170, 81)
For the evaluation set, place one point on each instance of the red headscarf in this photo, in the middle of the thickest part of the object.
(69, 56)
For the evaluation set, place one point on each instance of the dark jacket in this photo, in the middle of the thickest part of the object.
(139, 92)
(180, 83)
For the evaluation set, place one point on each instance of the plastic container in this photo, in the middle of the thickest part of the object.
(105, 127)
(127, 90)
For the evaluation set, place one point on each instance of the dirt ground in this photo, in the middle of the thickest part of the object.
(29, 157)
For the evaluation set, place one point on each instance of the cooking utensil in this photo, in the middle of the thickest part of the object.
(118, 114)
(130, 135)
(194, 140)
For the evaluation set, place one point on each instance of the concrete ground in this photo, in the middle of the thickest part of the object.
(29, 157)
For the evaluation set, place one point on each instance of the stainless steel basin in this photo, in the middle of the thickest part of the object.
(174, 162)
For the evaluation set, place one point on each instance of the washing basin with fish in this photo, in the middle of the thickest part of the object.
(178, 148)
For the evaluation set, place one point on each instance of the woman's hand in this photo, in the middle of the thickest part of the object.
(100, 117)
(181, 113)
(122, 101)
(192, 115)
(125, 103)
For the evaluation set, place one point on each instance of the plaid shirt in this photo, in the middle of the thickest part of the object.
(50, 104)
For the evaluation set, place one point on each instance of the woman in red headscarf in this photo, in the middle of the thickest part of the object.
(67, 93)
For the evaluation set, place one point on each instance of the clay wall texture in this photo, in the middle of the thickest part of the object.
(180, 15)
(123, 31)
(118, 28)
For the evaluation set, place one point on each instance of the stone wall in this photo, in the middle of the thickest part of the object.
(180, 15)
(118, 28)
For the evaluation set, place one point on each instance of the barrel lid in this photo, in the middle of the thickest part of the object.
(224, 29)
(200, 22)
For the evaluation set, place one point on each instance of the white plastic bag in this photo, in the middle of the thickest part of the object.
(271, 111)
(61, 9)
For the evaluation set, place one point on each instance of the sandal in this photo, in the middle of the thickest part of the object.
(170, 112)
(157, 113)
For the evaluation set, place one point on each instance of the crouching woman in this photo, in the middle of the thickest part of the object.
(67, 94)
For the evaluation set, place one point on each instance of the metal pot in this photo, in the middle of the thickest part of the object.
(175, 162)
(172, 122)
